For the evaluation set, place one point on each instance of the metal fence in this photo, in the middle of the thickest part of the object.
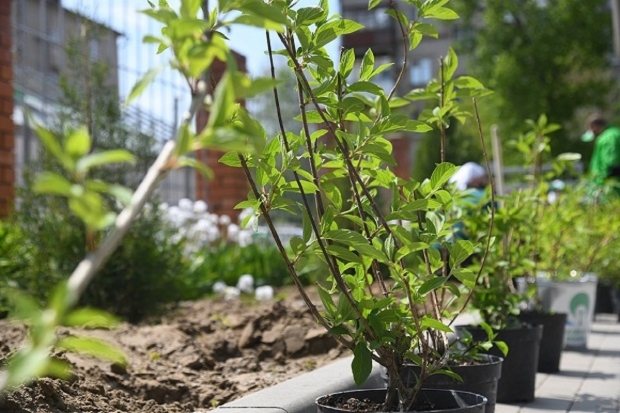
(42, 31)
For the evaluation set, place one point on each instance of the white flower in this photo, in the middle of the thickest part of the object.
(200, 207)
(264, 293)
(219, 287)
(224, 220)
(244, 238)
(246, 283)
(186, 204)
(231, 293)
(233, 232)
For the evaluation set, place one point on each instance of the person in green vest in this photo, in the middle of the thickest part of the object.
(605, 162)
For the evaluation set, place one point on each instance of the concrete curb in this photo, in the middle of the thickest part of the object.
(297, 395)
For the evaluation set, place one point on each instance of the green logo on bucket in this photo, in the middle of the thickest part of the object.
(579, 308)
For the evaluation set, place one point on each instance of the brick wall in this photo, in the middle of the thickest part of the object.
(7, 128)
(229, 185)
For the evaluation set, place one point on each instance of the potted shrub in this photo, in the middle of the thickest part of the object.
(382, 238)
(515, 254)
(578, 242)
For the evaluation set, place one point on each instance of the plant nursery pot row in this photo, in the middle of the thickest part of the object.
(518, 373)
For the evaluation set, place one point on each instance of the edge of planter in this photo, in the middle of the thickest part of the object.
(297, 395)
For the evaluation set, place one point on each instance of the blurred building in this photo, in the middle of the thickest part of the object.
(34, 37)
(383, 35)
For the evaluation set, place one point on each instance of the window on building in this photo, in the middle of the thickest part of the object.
(421, 72)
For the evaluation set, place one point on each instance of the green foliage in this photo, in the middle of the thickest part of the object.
(539, 57)
(461, 146)
(301, 172)
(578, 236)
(139, 280)
(227, 262)
(523, 239)
(32, 360)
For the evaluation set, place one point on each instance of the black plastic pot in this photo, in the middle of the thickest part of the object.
(441, 400)
(552, 341)
(518, 380)
(479, 378)
(604, 300)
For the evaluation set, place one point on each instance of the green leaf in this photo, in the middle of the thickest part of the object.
(94, 347)
(432, 284)
(142, 84)
(121, 193)
(449, 373)
(487, 329)
(502, 346)
(78, 142)
(368, 87)
(343, 253)
(189, 8)
(450, 65)
(460, 251)
(264, 10)
(196, 164)
(441, 13)
(307, 225)
(367, 66)
(328, 302)
(362, 363)
(468, 82)
(185, 139)
(104, 158)
(427, 29)
(231, 159)
(373, 3)
(345, 309)
(428, 322)
(331, 30)
(52, 183)
(223, 103)
(347, 61)
(415, 37)
(90, 317)
(442, 173)
(308, 15)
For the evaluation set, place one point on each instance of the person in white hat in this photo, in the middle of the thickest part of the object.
(470, 175)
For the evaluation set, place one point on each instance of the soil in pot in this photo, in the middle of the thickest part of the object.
(552, 341)
(518, 380)
(479, 377)
(431, 401)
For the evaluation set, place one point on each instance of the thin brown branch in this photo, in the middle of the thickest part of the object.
(492, 221)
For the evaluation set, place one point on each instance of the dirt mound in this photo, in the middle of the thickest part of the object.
(204, 354)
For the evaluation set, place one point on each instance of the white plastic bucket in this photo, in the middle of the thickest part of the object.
(575, 298)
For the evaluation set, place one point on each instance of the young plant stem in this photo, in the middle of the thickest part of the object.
(405, 51)
(492, 220)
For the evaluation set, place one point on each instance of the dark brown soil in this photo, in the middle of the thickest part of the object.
(201, 355)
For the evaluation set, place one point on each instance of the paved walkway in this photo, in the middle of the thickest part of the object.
(589, 380)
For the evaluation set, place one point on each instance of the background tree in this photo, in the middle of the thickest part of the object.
(540, 56)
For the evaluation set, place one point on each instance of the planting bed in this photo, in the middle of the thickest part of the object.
(200, 355)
